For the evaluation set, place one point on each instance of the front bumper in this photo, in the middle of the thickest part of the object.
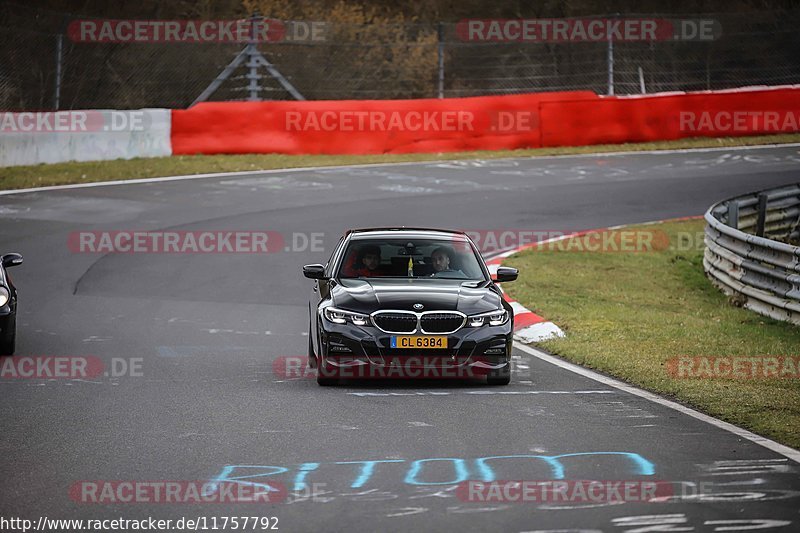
(363, 351)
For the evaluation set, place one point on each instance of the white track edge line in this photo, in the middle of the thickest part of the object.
(368, 165)
(776, 447)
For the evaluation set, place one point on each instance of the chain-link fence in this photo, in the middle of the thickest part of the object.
(43, 66)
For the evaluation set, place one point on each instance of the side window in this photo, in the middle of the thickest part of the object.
(480, 263)
(337, 250)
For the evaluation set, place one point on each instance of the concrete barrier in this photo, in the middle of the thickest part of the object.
(85, 135)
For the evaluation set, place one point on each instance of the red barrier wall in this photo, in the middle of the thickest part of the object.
(347, 127)
(483, 123)
(641, 119)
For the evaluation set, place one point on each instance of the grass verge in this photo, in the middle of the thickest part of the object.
(627, 314)
(23, 177)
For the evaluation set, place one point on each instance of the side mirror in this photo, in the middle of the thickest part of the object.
(314, 271)
(10, 260)
(506, 274)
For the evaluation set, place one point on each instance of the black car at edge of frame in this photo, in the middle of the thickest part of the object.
(8, 305)
(420, 299)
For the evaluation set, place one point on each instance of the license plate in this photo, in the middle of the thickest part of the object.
(419, 341)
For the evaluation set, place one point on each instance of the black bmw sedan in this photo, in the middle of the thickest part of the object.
(408, 303)
(8, 305)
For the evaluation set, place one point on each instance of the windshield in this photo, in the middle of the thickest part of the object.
(410, 258)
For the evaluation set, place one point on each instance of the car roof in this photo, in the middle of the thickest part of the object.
(411, 233)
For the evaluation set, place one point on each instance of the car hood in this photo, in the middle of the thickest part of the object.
(368, 295)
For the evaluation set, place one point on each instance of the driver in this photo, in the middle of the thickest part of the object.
(441, 258)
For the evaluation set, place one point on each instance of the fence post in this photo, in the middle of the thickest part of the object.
(440, 32)
(252, 75)
(610, 64)
(762, 214)
(252, 62)
(733, 214)
(59, 59)
(641, 80)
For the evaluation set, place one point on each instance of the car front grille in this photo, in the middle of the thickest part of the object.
(395, 322)
(444, 322)
(429, 322)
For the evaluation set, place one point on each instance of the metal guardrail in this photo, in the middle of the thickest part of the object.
(749, 252)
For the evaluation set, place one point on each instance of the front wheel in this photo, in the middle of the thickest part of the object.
(312, 357)
(8, 345)
(326, 375)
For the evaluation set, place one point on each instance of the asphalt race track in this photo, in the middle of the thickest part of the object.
(203, 332)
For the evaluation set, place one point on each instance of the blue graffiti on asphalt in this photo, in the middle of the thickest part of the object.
(643, 467)
(481, 467)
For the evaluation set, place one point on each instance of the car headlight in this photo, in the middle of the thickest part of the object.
(493, 318)
(340, 316)
(3, 296)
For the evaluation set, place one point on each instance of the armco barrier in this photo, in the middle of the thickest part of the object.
(761, 273)
(331, 127)
(33, 138)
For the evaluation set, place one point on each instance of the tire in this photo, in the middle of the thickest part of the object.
(7, 346)
(312, 357)
(324, 373)
(499, 377)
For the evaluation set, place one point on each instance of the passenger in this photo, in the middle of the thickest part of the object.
(369, 261)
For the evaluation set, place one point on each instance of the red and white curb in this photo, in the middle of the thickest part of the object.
(528, 326)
